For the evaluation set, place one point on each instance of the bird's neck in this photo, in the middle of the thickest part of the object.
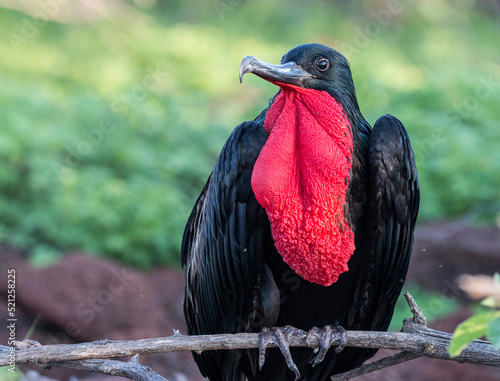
(301, 177)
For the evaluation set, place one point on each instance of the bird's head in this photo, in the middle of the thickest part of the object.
(310, 66)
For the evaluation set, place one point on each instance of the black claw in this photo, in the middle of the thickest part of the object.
(342, 337)
(264, 341)
(326, 336)
(279, 336)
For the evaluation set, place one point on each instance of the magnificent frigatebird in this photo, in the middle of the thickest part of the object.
(306, 221)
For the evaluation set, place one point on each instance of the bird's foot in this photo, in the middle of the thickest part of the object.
(326, 336)
(279, 336)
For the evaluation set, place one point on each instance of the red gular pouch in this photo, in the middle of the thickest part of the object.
(300, 178)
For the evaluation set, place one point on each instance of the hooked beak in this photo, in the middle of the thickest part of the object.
(288, 73)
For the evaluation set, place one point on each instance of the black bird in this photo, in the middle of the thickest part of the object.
(306, 221)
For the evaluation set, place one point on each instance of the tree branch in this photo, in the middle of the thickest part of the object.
(415, 338)
(419, 340)
(398, 358)
(130, 369)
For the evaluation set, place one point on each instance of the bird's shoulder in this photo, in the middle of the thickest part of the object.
(394, 180)
(229, 183)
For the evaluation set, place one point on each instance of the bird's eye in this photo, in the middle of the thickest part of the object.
(322, 64)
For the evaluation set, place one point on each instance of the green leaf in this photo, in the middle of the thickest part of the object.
(471, 329)
(493, 332)
(491, 302)
(11, 374)
(496, 279)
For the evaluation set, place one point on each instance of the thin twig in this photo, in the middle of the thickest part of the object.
(129, 369)
(418, 316)
(398, 358)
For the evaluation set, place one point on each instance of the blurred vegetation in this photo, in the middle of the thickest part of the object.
(7, 375)
(110, 128)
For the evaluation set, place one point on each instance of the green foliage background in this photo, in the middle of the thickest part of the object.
(109, 129)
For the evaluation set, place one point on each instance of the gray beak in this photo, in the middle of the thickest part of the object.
(289, 73)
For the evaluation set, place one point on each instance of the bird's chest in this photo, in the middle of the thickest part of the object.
(301, 177)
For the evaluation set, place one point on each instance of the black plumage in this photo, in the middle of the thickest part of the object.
(236, 281)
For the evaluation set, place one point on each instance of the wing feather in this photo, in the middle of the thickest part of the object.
(222, 250)
(393, 208)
